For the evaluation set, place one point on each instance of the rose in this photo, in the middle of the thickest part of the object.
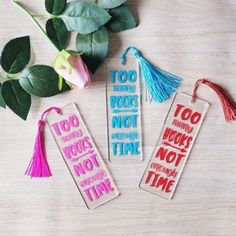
(70, 66)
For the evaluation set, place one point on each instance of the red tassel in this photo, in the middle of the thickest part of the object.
(38, 166)
(228, 105)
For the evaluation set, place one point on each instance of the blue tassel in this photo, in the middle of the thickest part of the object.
(160, 84)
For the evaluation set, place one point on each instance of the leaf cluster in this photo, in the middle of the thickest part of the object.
(20, 81)
(91, 20)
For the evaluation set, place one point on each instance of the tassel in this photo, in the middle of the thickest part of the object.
(160, 84)
(38, 166)
(228, 105)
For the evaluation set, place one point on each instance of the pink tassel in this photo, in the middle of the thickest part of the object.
(228, 105)
(38, 166)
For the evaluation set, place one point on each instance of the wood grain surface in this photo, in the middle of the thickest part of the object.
(189, 38)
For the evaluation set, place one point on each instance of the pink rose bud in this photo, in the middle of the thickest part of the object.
(71, 67)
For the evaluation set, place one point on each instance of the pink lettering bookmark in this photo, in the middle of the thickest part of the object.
(81, 156)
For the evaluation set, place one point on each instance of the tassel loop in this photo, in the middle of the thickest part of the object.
(198, 82)
(38, 166)
(228, 105)
(135, 52)
(40, 123)
(160, 84)
(56, 109)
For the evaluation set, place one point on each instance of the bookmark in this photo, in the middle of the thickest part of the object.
(124, 101)
(80, 154)
(179, 132)
(123, 111)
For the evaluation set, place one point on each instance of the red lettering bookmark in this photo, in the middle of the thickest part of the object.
(177, 137)
(180, 130)
(80, 154)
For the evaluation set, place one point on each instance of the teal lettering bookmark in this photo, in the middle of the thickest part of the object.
(124, 110)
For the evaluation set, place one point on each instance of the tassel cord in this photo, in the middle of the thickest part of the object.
(228, 105)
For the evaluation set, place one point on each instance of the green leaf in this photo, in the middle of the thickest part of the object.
(55, 7)
(41, 81)
(121, 19)
(16, 98)
(84, 17)
(94, 47)
(16, 55)
(57, 32)
(107, 4)
(2, 102)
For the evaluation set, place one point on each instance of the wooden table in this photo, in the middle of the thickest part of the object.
(189, 38)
